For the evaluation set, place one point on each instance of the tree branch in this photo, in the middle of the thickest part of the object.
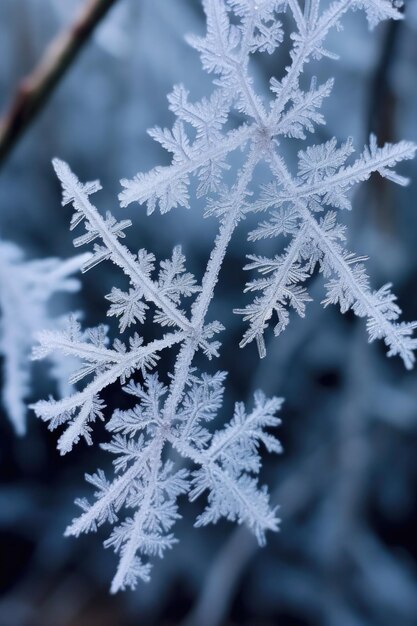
(34, 91)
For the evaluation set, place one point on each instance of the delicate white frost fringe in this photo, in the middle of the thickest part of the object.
(26, 290)
(302, 207)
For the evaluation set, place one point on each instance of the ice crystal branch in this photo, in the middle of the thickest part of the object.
(26, 290)
(174, 415)
(141, 501)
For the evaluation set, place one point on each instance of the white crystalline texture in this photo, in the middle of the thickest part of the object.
(26, 290)
(141, 500)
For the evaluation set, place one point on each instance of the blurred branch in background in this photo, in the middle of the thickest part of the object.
(383, 103)
(35, 90)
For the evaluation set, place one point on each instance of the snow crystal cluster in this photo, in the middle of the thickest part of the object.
(164, 447)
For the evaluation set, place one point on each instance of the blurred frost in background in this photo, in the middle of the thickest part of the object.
(347, 553)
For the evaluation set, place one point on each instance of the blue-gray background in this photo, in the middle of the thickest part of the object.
(347, 553)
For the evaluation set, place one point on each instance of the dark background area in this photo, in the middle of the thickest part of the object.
(347, 482)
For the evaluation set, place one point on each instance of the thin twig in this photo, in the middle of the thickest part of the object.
(34, 91)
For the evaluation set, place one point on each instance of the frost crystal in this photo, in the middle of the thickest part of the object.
(26, 288)
(141, 500)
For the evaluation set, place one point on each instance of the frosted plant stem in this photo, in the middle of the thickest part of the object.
(120, 485)
(341, 266)
(177, 414)
(298, 16)
(280, 280)
(124, 259)
(203, 459)
(130, 548)
(182, 371)
(209, 281)
(234, 140)
(345, 178)
(302, 55)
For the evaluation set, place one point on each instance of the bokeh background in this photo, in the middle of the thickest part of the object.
(347, 482)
